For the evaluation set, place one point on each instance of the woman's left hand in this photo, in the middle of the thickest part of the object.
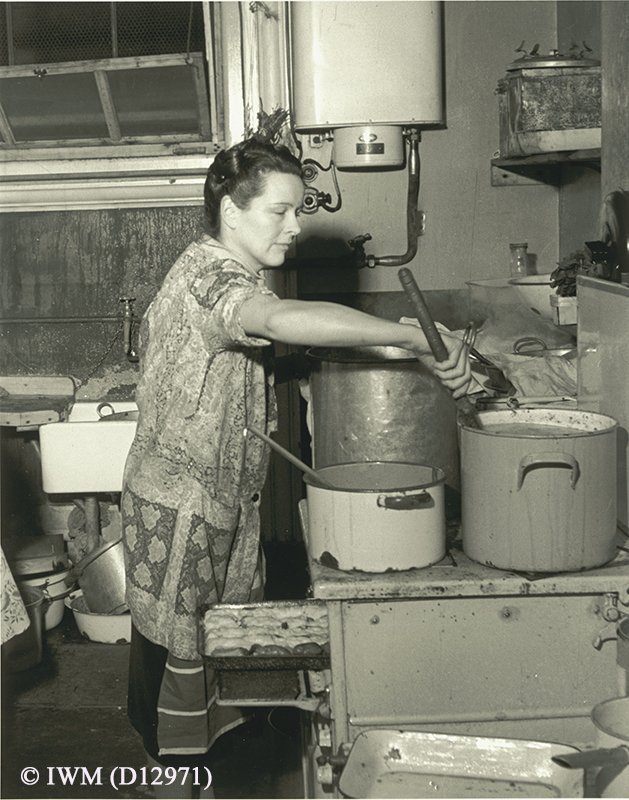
(455, 372)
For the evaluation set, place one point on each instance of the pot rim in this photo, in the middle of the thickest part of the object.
(35, 596)
(87, 560)
(612, 424)
(439, 477)
(46, 578)
(365, 354)
(77, 594)
(607, 727)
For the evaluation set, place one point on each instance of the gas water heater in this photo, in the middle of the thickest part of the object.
(365, 71)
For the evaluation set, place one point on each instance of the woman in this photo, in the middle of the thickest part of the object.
(192, 481)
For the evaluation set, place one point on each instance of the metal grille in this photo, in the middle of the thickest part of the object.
(155, 28)
(42, 33)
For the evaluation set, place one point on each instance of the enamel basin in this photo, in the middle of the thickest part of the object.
(86, 453)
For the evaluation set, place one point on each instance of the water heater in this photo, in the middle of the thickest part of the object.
(366, 70)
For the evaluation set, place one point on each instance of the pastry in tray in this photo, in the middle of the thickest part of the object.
(266, 629)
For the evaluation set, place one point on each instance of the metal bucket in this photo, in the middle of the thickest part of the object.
(26, 649)
(380, 404)
(101, 576)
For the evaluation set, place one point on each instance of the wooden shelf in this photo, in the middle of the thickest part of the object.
(540, 168)
(31, 400)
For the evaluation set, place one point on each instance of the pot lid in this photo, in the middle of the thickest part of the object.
(575, 57)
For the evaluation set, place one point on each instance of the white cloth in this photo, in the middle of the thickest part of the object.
(15, 617)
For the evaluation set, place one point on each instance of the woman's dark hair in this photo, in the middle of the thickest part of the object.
(240, 173)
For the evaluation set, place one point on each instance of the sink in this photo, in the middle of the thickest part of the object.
(86, 454)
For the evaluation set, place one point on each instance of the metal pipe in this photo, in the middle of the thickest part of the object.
(413, 221)
(470, 717)
(55, 320)
(91, 509)
(127, 325)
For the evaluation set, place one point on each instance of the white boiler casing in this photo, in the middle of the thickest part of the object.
(366, 63)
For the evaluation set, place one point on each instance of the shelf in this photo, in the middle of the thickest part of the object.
(27, 401)
(542, 168)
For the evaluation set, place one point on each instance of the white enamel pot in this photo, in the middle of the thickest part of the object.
(539, 489)
(380, 516)
(56, 586)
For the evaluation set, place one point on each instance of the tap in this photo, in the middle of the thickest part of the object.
(358, 246)
(127, 328)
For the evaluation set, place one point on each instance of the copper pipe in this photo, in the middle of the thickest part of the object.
(413, 221)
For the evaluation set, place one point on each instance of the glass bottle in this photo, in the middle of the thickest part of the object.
(519, 259)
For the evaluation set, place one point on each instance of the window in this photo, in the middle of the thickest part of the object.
(107, 89)
(115, 101)
(84, 74)
(44, 32)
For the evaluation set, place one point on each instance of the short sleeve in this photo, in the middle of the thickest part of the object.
(222, 293)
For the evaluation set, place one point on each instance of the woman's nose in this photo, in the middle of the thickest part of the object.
(293, 224)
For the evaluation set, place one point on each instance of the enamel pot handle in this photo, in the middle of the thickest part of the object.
(549, 460)
(405, 502)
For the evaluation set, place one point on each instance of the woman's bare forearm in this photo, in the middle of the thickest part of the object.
(309, 322)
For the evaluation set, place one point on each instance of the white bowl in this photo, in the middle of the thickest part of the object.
(109, 628)
(494, 291)
(535, 292)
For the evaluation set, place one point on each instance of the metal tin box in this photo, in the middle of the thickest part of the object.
(544, 110)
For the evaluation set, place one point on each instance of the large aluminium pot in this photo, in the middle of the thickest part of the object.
(539, 489)
(383, 516)
(380, 404)
(101, 576)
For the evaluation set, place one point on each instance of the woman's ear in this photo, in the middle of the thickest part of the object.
(229, 211)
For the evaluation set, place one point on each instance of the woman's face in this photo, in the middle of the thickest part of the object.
(263, 232)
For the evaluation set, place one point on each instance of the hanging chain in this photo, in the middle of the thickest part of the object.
(84, 380)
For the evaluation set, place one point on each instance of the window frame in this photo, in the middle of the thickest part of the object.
(138, 175)
(101, 69)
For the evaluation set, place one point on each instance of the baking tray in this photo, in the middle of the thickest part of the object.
(253, 662)
(391, 763)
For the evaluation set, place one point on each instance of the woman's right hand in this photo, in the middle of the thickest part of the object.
(455, 372)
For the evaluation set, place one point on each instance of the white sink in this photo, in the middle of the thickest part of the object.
(86, 454)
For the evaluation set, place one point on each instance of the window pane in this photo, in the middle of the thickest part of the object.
(47, 32)
(53, 107)
(160, 100)
(52, 32)
(149, 28)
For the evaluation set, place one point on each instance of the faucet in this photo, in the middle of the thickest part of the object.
(358, 246)
(127, 327)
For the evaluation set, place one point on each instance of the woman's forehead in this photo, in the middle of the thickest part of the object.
(280, 187)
